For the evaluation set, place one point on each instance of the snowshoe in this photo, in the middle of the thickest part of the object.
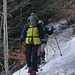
(33, 73)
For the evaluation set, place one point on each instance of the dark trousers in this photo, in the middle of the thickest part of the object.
(31, 56)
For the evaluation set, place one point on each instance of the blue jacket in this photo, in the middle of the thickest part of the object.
(23, 34)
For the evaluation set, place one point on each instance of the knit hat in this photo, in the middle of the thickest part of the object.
(32, 17)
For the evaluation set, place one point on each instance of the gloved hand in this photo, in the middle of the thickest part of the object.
(52, 28)
(21, 40)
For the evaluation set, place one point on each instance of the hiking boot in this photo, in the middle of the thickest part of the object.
(33, 72)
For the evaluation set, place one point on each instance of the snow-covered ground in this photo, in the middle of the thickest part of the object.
(58, 65)
(62, 65)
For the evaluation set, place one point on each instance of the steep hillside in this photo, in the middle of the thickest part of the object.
(47, 10)
(57, 64)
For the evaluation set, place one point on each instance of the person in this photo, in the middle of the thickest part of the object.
(41, 49)
(32, 32)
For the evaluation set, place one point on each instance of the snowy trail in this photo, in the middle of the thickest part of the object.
(58, 65)
(62, 65)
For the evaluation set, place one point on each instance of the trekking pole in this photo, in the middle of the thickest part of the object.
(52, 48)
(58, 45)
(40, 53)
(47, 52)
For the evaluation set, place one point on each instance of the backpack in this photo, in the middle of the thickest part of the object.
(38, 26)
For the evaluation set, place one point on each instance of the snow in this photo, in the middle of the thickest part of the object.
(62, 65)
(58, 65)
